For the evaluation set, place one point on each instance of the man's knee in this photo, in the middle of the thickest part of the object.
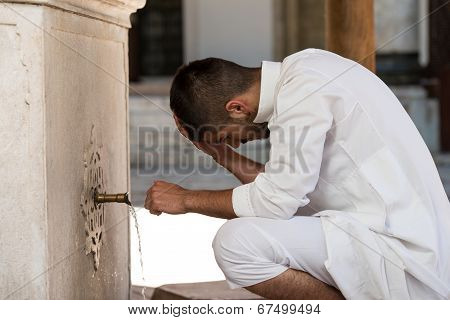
(246, 253)
(242, 242)
(237, 245)
(229, 238)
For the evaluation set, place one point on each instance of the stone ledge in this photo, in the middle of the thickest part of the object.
(112, 11)
(215, 290)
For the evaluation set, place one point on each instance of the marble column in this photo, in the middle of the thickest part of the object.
(349, 30)
(64, 134)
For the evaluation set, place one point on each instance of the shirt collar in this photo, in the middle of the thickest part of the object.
(270, 73)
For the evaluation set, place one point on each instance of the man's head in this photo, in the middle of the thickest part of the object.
(216, 100)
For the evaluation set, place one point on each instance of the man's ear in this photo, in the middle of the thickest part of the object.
(177, 121)
(237, 109)
(180, 127)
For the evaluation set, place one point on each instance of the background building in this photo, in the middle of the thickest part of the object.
(412, 57)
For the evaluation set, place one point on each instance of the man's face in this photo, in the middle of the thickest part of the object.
(236, 134)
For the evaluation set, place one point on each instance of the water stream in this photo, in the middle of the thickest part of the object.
(132, 211)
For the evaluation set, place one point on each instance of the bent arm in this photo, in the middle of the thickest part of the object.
(240, 166)
(297, 137)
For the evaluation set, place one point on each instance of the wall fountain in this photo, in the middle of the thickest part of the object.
(64, 71)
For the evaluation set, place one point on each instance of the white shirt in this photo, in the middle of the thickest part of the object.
(343, 148)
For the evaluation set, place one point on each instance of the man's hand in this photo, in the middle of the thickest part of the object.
(243, 168)
(166, 197)
(173, 199)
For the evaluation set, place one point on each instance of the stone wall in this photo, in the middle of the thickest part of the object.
(64, 99)
(236, 30)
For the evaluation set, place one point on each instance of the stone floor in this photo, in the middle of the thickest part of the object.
(177, 249)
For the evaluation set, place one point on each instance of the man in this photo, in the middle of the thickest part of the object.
(350, 203)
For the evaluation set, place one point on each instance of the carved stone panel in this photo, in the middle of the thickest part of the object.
(94, 213)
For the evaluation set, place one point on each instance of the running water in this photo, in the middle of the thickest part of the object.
(136, 224)
(132, 211)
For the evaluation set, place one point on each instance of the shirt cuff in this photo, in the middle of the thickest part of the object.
(241, 201)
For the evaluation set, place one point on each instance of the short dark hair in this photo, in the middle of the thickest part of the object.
(201, 89)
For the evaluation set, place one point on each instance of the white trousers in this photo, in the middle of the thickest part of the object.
(251, 250)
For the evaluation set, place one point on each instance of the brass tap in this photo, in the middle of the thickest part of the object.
(118, 198)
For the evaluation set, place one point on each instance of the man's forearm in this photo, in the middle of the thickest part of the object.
(216, 204)
(242, 167)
